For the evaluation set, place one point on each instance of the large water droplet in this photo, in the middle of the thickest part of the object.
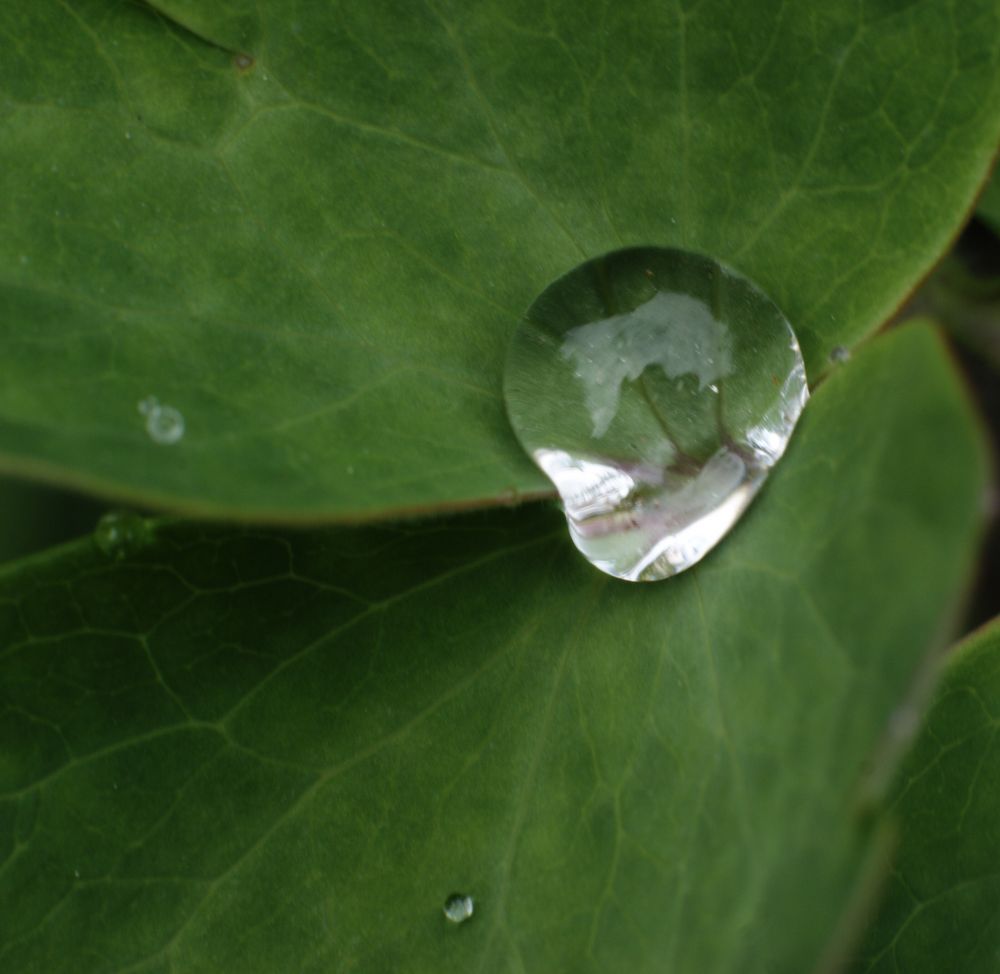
(656, 389)
(164, 424)
(459, 907)
(120, 533)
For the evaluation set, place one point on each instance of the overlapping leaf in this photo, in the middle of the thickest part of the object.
(941, 911)
(244, 750)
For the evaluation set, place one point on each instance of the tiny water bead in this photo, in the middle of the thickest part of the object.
(459, 907)
(121, 533)
(164, 424)
(656, 389)
(839, 354)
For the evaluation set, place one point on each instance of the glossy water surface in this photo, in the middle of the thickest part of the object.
(656, 388)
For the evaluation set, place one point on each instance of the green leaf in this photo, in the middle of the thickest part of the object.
(940, 912)
(245, 750)
(319, 256)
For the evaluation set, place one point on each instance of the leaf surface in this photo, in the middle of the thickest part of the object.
(249, 750)
(940, 911)
(317, 248)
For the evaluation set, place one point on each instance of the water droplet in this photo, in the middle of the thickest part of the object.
(128, 135)
(459, 907)
(243, 61)
(657, 406)
(839, 354)
(164, 424)
(120, 533)
(76, 872)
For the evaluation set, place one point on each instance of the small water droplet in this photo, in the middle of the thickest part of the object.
(24, 258)
(120, 533)
(612, 404)
(243, 61)
(350, 470)
(128, 135)
(839, 354)
(164, 424)
(76, 872)
(459, 907)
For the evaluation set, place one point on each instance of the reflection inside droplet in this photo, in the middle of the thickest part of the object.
(656, 389)
(672, 331)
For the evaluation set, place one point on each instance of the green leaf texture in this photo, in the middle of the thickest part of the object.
(941, 909)
(312, 227)
(246, 750)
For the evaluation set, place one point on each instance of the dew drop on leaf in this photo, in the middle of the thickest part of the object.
(121, 533)
(459, 907)
(656, 389)
(164, 424)
(839, 354)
